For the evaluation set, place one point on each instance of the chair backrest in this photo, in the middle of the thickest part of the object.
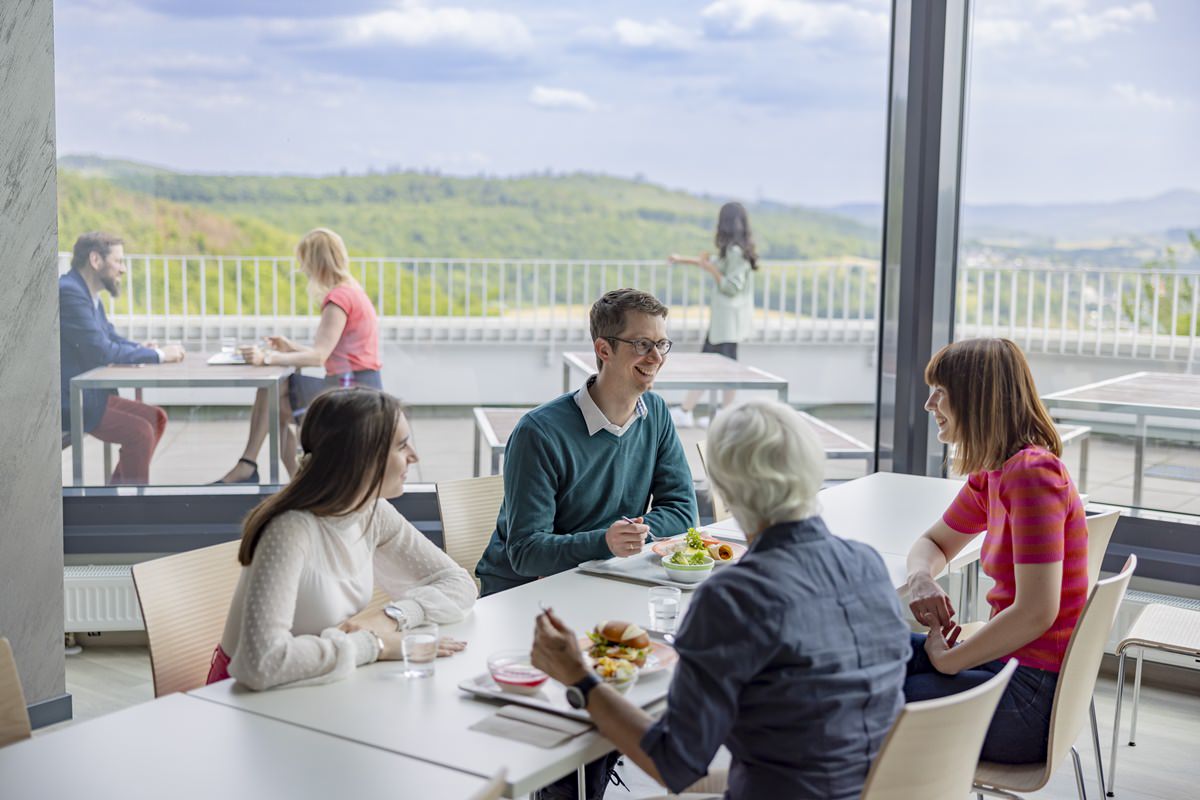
(185, 599)
(720, 510)
(933, 747)
(469, 509)
(14, 717)
(1100, 529)
(494, 789)
(1081, 664)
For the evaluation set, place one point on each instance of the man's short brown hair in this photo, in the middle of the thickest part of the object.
(93, 242)
(608, 313)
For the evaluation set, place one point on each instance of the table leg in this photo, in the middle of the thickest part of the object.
(77, 435)
(970, 591)
(273, 429)
(496, 453)
(566, 377)
(475, 451)
(783, 394)
(1139, 458)
(580, 783)
(1083, 462)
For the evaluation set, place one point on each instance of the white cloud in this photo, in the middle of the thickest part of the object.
(416, 25)
(1000, 32)
(1082, 26)
(657, 35)
(803, 20)
(1144, 98)
(136, 120)
(561, 99)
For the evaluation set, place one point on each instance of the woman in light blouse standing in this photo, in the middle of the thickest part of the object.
(732, 307)
(313, 553)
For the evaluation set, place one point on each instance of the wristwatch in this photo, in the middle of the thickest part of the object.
(577, 693)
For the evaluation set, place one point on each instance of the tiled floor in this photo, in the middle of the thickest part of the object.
(1163, 766)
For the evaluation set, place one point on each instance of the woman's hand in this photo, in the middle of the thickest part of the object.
(556, 650)
(930, 605)
(282, 344)
(252, 354)
(448, 647)
(938, 648)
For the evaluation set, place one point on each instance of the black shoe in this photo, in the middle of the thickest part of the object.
(251, 478)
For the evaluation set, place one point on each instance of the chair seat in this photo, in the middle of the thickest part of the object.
(1163, 627)
(1013, 777)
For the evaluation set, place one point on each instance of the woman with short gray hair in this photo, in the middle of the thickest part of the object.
(793, 657)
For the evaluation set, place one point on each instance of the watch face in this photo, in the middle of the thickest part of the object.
(575, 697)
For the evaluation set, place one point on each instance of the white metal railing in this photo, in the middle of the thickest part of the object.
(1109, 312)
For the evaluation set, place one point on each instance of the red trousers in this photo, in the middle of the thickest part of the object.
(136, 427)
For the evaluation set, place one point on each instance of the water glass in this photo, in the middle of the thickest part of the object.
(419, 646)
(664, 608)
(229, 346)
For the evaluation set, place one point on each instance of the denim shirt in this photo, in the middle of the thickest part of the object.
(794, 659)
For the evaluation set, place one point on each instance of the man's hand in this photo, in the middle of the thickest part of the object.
(625, 539)
(930, 605)
(556, 650)
(938, 647)
(172, 352)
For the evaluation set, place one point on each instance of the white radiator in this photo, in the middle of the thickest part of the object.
(100, 599)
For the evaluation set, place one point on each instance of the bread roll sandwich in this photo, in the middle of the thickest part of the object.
(617, 639)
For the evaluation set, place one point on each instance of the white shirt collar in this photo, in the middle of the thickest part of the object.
(594, 418)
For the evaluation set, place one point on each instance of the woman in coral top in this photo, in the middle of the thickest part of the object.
(346, 344)
(1018, 493)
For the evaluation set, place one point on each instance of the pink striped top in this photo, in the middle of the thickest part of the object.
(1032, 515)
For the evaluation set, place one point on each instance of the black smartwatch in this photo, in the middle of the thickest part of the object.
(577, 693)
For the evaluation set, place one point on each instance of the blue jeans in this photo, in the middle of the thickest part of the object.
(1020, 728)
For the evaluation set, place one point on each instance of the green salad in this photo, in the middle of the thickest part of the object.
(693, 553)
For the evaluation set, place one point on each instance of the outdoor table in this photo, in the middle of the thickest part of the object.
(710, 371)
(1140, 395)
(186, 749)
(191, 373)
(494, 425)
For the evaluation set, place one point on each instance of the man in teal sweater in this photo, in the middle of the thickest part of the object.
(575, 466)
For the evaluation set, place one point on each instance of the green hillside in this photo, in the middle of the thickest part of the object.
(425, 215)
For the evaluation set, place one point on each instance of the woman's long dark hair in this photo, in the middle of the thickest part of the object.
(733, 227)
(346, 437)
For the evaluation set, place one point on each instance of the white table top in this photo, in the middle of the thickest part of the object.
(1159, 393)
(694, 371)
(886, 510)
(186, 749)
(429, 718)
(193, 371)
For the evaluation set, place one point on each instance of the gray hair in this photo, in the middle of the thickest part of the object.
(767, 463)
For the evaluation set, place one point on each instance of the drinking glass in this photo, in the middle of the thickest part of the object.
(664, 608)
(229, 346)
(419, 646)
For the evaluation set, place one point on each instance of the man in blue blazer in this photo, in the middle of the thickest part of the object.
(88, 340)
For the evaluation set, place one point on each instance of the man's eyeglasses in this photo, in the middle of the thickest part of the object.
(642, 346)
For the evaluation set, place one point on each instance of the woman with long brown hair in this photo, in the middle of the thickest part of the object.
(312, 554)
(731, 311)
(1018, 490)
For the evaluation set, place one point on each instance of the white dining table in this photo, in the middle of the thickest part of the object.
(183, 748)
(889, 511)
(430, 719)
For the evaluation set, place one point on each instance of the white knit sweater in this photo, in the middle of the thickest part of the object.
(309, 574)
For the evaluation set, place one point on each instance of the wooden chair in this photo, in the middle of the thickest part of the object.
(184, 600)
(14, 717)
(720, 511)
(469, 509)
(933, 747)
(494, 789)
(1072, 696)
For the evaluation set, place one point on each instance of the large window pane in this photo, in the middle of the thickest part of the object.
(492, 168)
(1078, 239)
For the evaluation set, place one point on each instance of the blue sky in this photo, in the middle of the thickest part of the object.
(778, 99)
